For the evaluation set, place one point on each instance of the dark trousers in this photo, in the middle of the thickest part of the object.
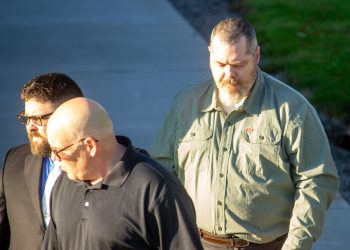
(274, 245)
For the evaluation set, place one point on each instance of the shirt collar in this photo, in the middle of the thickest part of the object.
(211, 102)
(120, 172)
(252, 104)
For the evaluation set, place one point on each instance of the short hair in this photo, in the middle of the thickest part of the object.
(51, 87)
(230, 30)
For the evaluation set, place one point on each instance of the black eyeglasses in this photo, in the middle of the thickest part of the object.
(37, 120)
(56, 152)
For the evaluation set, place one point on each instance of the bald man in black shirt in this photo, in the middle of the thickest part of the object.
(111, 196)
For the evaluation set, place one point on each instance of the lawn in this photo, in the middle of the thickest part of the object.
(308, 43)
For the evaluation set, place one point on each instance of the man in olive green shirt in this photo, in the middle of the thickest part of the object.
(250, 150)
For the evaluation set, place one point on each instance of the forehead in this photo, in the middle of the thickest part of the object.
(59, 132)
(233, 51)
(57, 137)
(33, 107)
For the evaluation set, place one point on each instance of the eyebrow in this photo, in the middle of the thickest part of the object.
(233, 63)
(43, 115)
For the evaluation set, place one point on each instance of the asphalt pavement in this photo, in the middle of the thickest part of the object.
(131, 56)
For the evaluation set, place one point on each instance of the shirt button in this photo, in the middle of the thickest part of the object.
(219, 203)
(86, 204)
(221, 175)
(228, 124)
(261, 137)
(225, 149)
(193, 133)
(220, 228)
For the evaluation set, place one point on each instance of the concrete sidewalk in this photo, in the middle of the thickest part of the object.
(131, 56)
(336, 232)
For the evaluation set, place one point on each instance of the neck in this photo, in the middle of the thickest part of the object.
(109, 158)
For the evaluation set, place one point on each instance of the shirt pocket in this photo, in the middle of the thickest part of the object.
(261, 150)
(193, 149)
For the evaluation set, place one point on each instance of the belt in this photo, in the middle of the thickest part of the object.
(229, 241)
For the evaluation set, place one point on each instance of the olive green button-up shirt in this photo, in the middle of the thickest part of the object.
(260, 172)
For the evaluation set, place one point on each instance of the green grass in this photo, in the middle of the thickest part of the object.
(309, 41)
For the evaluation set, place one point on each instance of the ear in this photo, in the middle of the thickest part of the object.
(91, 146)
(257, 54)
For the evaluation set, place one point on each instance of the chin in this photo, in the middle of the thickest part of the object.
(71, 177)
(230, 88)
(233, 92)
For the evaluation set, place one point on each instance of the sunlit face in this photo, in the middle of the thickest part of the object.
(234, 71)
(74, 160)
(75, 164)
(37, 134)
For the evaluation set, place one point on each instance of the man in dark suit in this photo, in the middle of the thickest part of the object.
(28, 173)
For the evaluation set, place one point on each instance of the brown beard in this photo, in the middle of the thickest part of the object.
(41, 149)
(240, 92)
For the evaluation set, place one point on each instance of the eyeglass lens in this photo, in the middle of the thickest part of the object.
(37, 120)
(56, 152)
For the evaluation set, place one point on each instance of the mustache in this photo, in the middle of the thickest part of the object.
(229, 81)
(35, 134)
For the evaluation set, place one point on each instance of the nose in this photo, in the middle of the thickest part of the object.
(32, 126)
(229, 71)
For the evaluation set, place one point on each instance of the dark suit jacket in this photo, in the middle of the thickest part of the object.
(21, 222)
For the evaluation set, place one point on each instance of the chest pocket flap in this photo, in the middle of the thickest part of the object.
(194, 135)
(267, 136)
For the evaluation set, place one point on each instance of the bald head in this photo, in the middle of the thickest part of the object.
(79, 118)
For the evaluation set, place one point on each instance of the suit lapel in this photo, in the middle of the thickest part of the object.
(32, 172)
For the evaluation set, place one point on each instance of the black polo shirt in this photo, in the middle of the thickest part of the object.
(138, 205)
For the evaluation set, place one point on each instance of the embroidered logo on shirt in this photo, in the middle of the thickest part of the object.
(248, 130)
